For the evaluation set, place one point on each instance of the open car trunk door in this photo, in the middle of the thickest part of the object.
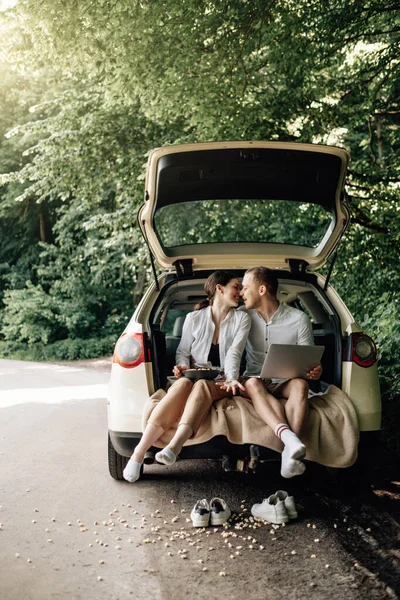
(242, 204)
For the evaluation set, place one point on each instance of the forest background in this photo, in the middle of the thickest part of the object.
(88, 88)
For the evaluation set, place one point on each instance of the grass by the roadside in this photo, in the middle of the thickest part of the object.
(70, 349)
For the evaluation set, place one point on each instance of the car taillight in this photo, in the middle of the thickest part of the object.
(129, 351)
(361, 350)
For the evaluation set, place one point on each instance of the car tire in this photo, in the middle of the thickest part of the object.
(116, 462)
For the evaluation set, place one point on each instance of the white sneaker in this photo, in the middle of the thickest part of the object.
(200, 514)
(220, 511)
(272, 510)
(289, 503)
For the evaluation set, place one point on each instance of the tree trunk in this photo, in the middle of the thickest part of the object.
(378, 124)
(46, 233)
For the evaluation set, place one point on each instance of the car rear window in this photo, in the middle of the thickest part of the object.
(242, 220)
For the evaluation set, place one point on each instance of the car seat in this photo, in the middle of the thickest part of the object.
(172, 343)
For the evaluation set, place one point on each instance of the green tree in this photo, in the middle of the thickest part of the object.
(124, 77)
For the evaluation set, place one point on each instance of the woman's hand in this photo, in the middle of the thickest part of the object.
(177, 370)
(315, 373)
(230, 385)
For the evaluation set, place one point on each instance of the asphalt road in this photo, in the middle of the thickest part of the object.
(69, 531)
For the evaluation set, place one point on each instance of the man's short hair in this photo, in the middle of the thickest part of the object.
(265, 276)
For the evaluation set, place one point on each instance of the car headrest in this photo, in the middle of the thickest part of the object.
(178, 326)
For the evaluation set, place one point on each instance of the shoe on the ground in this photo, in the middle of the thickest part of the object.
(200, 514)
(220, 511)
(272, 510)
(289, 503)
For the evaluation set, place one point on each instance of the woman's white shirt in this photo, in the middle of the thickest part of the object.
(197, 335)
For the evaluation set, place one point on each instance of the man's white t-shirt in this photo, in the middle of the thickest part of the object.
(287, 325)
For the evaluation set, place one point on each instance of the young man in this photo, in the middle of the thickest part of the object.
(273, 322)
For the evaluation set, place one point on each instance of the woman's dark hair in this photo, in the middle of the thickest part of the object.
(210, 287)
(267, 277)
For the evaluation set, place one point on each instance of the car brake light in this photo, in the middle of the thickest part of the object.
(129, 350)
(363, 350)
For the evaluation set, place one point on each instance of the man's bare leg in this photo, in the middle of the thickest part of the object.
(296, 406)
(272, 412)
(268, 408)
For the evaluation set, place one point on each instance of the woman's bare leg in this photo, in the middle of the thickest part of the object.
(133, 467)
(167, 412)
(183, 433)
(198, 404)
(150, 435)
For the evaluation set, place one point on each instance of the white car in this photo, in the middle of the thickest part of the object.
(233, 206)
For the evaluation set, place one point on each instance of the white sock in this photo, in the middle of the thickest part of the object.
(290, 467)
(132, 470)
(166, 457)
(294, 447)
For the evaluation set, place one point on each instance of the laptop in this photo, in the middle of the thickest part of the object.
(286, 361)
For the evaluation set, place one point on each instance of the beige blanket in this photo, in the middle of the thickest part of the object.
(331, 433)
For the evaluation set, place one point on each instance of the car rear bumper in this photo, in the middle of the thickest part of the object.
(124, 443)
(219, 447)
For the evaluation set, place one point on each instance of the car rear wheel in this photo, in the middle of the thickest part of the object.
(116, 462)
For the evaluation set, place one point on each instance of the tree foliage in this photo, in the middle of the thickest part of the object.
(91, 87)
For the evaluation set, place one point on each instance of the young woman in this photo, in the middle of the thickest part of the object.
(214, 334)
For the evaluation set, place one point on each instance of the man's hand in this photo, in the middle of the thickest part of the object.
(315, 373)
(230, 385)
(177, 370)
